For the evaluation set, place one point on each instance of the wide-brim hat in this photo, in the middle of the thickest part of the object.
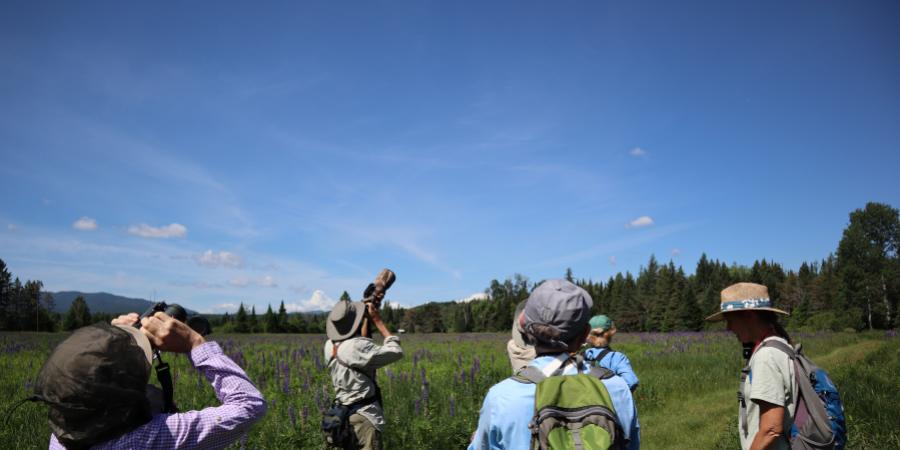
(344, 319)
(744, 297)
(95, 384)
(141, 340)
(518, 333)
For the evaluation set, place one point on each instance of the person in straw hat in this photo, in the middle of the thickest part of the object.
(601, 353)
(352, 358)
(769, 392)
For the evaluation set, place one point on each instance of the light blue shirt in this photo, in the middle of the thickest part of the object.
(615, 361)
(509, 407)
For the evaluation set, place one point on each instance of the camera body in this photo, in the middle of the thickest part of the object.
(197, 323)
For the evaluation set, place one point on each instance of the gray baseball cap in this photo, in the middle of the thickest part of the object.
(557, 312)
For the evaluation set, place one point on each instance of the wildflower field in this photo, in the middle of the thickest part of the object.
(686, 398)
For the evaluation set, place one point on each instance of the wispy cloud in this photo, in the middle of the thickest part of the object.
(163, 232)
(640, 222)
(473, 297)
(11, 227)
(210, 258)
(612, 260)
(614, 246)
(267, 281)
(404, 238)
(675, 252)
(264, 281)
(197, 284)
(637, 152)
(85, 224)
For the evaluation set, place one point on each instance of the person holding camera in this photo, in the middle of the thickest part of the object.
(96, 385)
(353, 357)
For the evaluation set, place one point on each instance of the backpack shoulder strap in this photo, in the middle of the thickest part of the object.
(529, 375)
(775, 343)
(601, 373)
(334, 356)
(603, 354)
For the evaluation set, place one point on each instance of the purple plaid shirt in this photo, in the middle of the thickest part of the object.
(214, 427)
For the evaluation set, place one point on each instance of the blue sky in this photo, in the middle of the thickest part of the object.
(213, 154)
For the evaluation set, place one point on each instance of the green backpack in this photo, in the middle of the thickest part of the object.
(572, 411)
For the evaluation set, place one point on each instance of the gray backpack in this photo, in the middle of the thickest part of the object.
(819, 422)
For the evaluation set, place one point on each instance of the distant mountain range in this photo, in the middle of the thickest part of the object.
(102, 302)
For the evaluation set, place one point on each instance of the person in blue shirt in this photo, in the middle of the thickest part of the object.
(556, 319)
(601, 354)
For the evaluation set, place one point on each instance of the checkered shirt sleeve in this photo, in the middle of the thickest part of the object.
(209, 428)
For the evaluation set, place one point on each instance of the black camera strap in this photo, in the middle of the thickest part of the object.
(164, 376)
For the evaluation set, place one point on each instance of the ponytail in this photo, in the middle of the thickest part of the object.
(779, 330)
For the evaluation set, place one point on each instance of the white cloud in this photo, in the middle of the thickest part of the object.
(318, 301)
(210, 258)
(11, 227)
(637, 152)
(473, 297)
(613, 260)
(165, 232)
(85, 224)
(643, 221)
(676, 251)
(267, 281)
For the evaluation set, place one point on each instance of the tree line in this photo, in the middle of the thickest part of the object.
(855, 287)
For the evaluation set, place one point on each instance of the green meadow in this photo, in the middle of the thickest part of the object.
(686, 398)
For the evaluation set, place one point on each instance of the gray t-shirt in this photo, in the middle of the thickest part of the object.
(352, 380)
(771, 380)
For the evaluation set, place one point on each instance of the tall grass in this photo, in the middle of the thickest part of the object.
(686, 398)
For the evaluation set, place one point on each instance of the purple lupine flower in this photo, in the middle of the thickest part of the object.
(286, 385)
(293, 416)
(304, 413)
(418, 406)
(452, 406)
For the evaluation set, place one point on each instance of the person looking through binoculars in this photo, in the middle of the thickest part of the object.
(356, 419)
(96, 386)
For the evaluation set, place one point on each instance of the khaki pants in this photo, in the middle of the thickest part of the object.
(367, 435)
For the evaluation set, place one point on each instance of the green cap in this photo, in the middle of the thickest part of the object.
(602, 322)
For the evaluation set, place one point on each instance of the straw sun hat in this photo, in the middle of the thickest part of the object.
(744, 297)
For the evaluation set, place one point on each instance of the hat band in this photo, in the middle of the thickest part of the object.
(750, 303)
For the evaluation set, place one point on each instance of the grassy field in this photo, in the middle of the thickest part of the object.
(686, 399)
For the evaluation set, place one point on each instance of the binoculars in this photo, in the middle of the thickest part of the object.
(197, 323)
